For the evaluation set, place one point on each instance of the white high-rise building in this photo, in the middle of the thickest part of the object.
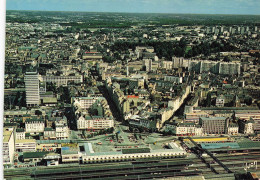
(8, 146)
(31, 80)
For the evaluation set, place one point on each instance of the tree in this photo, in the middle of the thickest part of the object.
(108, 59)
(117, 56)
(110, 130)
(38, 112)
(226, 59)
(189, 54)
(73, 61)
(208, 99)
(182, 43)
(51, 87)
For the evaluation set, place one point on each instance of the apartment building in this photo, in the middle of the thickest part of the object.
(34, 125)
(94, 122)
(8, 146)
(214, 125)
(62, 80)
(25, 145)
(20, 134)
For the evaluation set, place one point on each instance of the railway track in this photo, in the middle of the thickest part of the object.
(142, 170)
(101, 170)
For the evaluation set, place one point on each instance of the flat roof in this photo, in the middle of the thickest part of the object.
(226, 108)
(246, 145)
(70, 148)
(25, 141)
(34, 154)
(219, 145)
(88, 148)
(49, 100)
(205, 139)
(213, 118)
(136, 150)
(249, 144)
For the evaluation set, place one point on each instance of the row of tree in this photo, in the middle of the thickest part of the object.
(169, 49)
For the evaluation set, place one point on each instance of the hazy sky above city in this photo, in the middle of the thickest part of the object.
(145, 6)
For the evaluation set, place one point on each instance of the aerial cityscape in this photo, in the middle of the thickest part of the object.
(103, 95)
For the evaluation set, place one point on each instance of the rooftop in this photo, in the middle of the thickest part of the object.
(219, 145)
(7, 135)
(34, 154)
(25, 141)
(213, 118)
(69, 148)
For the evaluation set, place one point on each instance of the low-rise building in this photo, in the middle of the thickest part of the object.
(246, 127)
(70, 153)
(34, 157)
(86, 102)
(220, 101)
(62, 129)
(49, 133)
(188, 129)
(147, 123)
(20, 134)
(248, 115)
(25, 145)
(34, 125)
(232, 129)
(94, 122)
(174, 79)
(92, 56)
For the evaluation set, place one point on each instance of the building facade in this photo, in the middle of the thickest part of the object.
(62, 80)
(34, 125)
(214, 125)
(8, 146)
(20, 134)
(32, 90)
(94, 122)
(25, 145)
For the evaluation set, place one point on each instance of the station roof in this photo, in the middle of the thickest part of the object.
(133, 151)
(249, 144)
(246, 145)
(220, 145)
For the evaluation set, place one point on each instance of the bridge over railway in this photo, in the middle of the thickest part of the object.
(199, 151)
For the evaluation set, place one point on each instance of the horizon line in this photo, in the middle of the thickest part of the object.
(134, 12)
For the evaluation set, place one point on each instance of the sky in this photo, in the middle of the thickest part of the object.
(141, 6)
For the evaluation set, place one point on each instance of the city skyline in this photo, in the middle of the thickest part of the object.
(90, 95)
(143, 6)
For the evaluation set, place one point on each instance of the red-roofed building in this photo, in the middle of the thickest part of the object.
(132, 96)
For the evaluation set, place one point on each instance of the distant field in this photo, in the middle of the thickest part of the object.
(124, 20)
